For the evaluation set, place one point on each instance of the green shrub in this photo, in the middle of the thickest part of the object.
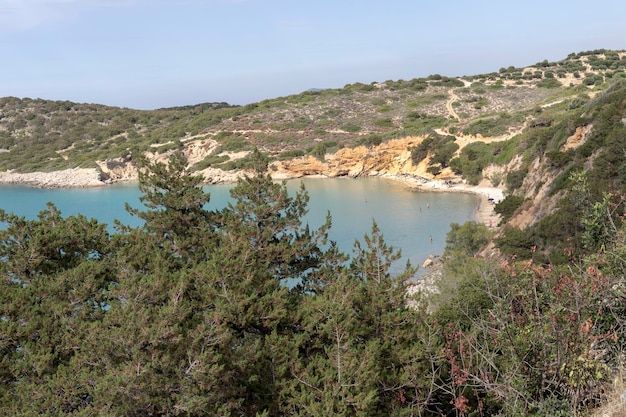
(385, 122)
(290, 154)
(443, 153)
(466, 239)
(320, 149)
(434, 169)
(209, 161)
(562, 181)
(232, 144)
(480, 103)
(507, 207)
(421, 123)
(560, 159)
(369, 140)
(578, 102)
(351, 127)
(515, 179)
(549, 83)
(515, 242)
(492, 126)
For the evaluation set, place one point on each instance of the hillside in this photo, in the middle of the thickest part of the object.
(41, 135)
(526, 317)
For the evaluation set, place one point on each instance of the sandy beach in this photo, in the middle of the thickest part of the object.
(490, 196)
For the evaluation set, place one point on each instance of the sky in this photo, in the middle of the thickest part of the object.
(149, 54)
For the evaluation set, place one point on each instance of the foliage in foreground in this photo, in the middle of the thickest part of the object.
(246, 311)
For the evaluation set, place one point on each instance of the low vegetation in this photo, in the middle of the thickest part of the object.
(42, 135)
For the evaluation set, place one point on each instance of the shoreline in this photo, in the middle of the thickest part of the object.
(90, 178)
(68, 178)
(489, 196)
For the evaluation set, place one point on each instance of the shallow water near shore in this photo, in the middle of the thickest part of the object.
(416, 222)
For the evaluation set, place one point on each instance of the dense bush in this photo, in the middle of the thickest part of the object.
(209, 161)
(369, 140)
(421, 123)
(384, 122)
(233, 143)
(434, 144)
(516, 242)
(507, 207)
(472, 160)
(514, 179)
(549, 83)
(492, 126)
(291, 153)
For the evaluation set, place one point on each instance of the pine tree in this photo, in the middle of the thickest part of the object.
(175, 220)
(159, 349)
(386, 316)
(356, 358)
(264, 253)
(54, 291)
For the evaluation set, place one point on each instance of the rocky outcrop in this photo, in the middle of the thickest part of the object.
(389, 158)
(578, 138)
(219, 176)
(70, 178)
(118, 169)
(392, 158)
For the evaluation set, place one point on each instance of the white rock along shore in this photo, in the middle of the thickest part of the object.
(69, 178)
(91, 177)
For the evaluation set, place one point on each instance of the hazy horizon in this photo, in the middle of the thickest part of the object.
(165, 53)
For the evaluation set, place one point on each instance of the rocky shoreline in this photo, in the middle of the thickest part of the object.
(69, 178)
(390, 159)
(91, 177)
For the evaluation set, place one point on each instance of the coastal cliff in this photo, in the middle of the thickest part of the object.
(389, 159)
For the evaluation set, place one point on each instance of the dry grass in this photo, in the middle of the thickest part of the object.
(614, 403)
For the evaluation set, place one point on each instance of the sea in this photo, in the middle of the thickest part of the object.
(415, 222)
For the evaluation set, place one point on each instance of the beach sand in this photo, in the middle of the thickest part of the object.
(485, 212)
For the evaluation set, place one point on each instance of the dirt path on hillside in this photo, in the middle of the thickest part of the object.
(451, 100)
(464, 140)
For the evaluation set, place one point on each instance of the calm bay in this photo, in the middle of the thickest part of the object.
(408, 219)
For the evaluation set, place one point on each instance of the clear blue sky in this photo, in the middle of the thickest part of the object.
(147, 54)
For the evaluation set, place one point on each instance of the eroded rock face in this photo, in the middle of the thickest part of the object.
(117, 169)
(578, 138)
(218, 176)
(389, 158)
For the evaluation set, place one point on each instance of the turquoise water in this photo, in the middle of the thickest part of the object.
(407, 219)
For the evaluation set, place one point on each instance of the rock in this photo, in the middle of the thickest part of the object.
(118, 169)
(69, 178)
(389, 158)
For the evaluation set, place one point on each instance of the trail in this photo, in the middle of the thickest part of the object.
(452, 99)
